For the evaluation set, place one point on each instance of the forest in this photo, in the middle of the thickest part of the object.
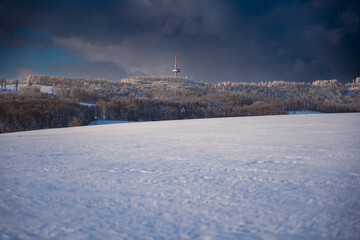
(49, 102)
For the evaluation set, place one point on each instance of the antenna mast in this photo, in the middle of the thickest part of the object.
(176, 70)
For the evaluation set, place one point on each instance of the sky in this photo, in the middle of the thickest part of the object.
(215, 40)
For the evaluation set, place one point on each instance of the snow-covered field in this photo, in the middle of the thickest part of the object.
(274, 177)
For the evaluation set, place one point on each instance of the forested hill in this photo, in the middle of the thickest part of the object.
(164, 98)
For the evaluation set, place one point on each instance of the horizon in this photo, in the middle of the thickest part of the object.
(138, 77)
(215, 41)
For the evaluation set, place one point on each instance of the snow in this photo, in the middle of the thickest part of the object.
(271, 177)
(9, 88)
(44, 89)
(87, 104)
(105, 122)
(303, 112)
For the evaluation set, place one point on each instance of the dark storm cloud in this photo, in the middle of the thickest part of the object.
(257, 40)
(107, 21)
(89, 70)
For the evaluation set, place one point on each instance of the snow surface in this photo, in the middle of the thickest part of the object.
(303, 112)
(273, 177)
(105, 122)
(44, 89)
(87, 104)
(9, 88)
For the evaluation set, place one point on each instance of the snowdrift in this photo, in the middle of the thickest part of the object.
(273, 177)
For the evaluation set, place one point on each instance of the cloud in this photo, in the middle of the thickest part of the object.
(350, 20)
(215, 40)
(130, 55)
(89, 70)
(21, 38)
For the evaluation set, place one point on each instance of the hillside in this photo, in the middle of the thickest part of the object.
(271, 177)
(48, 102)
(324, 96)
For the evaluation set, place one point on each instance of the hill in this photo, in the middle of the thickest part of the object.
(48, 102)
(271, 177)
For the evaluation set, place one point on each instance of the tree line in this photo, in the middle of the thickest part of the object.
(31, 110)
(163, 98)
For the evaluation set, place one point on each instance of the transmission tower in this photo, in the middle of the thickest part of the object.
(176, 70)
